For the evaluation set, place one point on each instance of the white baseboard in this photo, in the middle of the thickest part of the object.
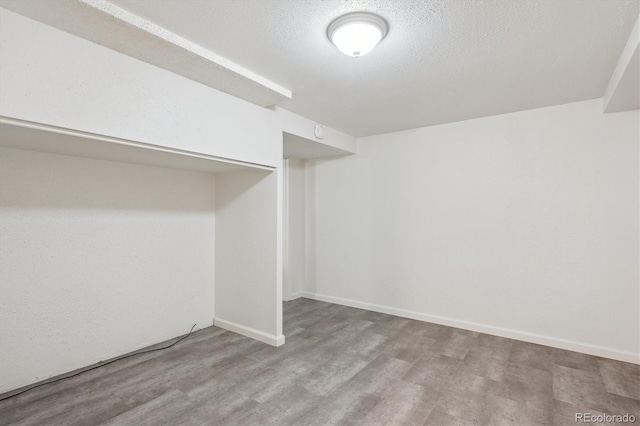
(600, 351)
(269, 339)
(295, 296)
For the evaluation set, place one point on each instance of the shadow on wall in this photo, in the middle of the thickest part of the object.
(236, 184)
(40, 180)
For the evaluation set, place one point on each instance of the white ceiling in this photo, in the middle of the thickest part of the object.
(442, 61)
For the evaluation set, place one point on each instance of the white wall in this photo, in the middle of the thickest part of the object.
(303, 127)
(247, 243)
(52, 77)
(523, 224)
(97, 259)
(294, 271)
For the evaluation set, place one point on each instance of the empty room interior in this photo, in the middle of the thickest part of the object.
(305, 212)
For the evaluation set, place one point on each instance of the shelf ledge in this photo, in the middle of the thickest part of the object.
(30, 136)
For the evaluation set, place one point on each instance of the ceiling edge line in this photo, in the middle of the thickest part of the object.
(142, 24)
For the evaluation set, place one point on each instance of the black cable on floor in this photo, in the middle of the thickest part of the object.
(99, 365)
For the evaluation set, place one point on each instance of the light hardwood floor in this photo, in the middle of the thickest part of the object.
(340, 365)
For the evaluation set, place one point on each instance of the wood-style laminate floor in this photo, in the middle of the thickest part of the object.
(339, 366)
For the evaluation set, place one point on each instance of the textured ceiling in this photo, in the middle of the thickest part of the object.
(442, 61)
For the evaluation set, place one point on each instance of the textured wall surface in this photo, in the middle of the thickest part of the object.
(247, 264)
(106, 24)
(52, 77)
(97, 259)
(525, 222)
(294, 274)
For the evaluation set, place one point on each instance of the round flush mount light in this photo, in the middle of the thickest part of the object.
(355, 34)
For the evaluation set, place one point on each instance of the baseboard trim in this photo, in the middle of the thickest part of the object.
(295, 296)
(481, 328)
(269, 339)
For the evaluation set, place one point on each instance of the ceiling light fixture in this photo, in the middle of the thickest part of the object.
(355, 34)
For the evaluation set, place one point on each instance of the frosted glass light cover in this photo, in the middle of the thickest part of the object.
(357, 39)
(357, 33)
